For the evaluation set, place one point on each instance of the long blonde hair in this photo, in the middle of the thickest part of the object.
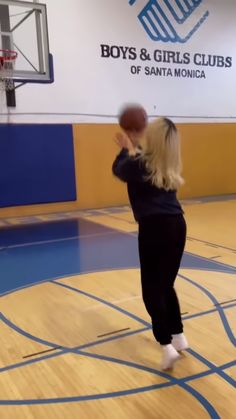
(161, 153)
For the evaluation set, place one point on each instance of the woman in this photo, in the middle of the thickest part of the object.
(152, 174)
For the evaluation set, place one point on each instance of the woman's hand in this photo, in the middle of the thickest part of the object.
(123, 141)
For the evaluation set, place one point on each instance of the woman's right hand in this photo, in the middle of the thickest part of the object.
(123, 141)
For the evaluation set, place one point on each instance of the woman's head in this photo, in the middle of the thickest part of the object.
(162, 154)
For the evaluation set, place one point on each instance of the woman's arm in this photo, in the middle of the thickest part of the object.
(128, 167)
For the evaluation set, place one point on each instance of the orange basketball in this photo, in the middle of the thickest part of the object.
(133, 118)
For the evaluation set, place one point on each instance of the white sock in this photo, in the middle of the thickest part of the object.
(169, 356)
(180, 342)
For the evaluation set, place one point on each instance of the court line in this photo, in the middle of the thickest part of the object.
(220, 264)
(41, 352)
(38, 243)
(211, 366)
(183, 278)
(220, 310)
(188, 388)
(61, 277)
(66, 350)
(172, 381)
(189, 317)
(228, 268)
(188, 377)
(93, 397)
(120, 268)
(114, 217)
(181, 382)
(89, 344)
(218, 245)
(24, 333)
(114, 332)
(210, 311)
(122, 300)
(212, 369)
(200, 399)
(226, 302)
(212, 298)
(100, 300)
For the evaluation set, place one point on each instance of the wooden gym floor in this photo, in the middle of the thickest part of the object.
(75, 337)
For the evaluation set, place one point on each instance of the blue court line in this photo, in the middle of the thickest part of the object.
(200, 398)
(33, 284)
(172, 381)
(145, 329)
(77, 399)
(66, 239)
(110, 339)
(33, 361)
(61, 277)
(100, 300)
(204, 313)
(213, 368)
(220, 266)
(227, 268)
(218, 307)
(224, 267)
(24, 333)
(113, 307)
(181, 382)
(89, 344)
(204, 402)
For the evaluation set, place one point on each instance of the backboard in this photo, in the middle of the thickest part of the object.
(24, 29)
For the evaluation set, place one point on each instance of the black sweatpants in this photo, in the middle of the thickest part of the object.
(161, 245)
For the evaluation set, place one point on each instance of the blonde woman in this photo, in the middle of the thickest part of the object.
(153, 175)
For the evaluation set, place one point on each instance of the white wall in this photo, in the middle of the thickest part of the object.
(87, 85)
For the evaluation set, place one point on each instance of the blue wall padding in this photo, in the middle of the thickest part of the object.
(36, 164)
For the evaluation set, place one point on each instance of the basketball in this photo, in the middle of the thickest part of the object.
(133, 118)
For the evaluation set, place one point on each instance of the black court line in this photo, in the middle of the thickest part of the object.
(215, 257)
(113, 333)
(212, 245)
(225, 302)
(42, 352)
(183, 314)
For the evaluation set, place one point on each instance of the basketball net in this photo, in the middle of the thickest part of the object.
(7, 65)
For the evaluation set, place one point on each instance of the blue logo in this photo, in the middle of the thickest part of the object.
(162, 23)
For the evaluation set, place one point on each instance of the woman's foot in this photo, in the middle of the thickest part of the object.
(180, 342)
(169, 357)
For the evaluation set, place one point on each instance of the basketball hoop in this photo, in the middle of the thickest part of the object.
(7, 65)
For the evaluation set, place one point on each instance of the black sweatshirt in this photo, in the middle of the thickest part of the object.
(145, 198)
